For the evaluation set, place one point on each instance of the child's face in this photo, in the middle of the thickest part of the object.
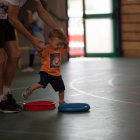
(56, 43)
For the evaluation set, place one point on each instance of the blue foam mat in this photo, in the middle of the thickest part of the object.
(74, 107)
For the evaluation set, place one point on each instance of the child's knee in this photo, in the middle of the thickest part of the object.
(41, 86)
(61, 91)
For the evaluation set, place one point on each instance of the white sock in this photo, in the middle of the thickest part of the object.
(6, 90)
(2, 97)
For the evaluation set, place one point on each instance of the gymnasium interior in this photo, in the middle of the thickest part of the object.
(102, 69)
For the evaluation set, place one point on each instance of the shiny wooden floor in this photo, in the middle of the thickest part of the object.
(111, 86)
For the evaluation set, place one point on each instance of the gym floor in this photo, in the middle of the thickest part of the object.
(111, 86)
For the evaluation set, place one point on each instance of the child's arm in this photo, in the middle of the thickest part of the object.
(67, 50)
(66, 46)
(64, 50)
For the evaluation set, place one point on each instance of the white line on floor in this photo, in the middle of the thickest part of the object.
(89, 94)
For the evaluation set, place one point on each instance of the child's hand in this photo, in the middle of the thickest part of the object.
(66, 44)
(67, 50)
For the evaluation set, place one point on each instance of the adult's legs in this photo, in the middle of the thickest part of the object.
(7, 71)
(13, 54)
(2, 62)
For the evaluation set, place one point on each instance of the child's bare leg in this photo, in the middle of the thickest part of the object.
(61, 96)
(36, 86)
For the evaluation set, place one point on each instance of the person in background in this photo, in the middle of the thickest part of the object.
(37, 31)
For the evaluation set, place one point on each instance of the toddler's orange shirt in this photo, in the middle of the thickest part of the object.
(51, 60)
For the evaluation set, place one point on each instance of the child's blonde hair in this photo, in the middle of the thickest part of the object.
(57, 33)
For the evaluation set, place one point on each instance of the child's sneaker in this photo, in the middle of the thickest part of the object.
(62, 103)
(26, 93)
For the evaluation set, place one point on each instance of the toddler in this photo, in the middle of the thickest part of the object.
(51, 60)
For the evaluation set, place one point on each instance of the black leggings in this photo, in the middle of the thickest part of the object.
(31, 61)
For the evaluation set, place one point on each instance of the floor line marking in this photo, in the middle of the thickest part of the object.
(18, 88)
(54, 134)
(72, 86)
(110, 82)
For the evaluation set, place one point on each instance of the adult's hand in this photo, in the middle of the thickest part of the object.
(35, 42)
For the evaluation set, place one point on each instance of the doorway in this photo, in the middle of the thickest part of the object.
(91, 28)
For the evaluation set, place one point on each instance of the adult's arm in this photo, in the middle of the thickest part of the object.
(13, 11)
(44, 15)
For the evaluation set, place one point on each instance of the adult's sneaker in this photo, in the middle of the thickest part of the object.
(12, 101)
(6, 107)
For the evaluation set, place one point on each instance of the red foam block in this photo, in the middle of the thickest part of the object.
(39, 105)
